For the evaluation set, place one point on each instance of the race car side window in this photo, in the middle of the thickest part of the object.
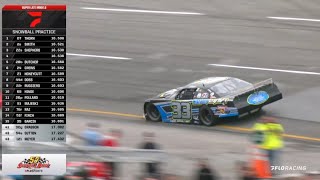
(220, 90)
(186, 94)
(241, 83)
(229, 86)
(201, 94)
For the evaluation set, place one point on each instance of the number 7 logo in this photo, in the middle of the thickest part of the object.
(37, 20)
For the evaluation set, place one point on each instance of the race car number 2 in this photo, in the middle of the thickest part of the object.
(181, 110)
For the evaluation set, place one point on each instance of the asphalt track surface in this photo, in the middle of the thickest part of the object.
(168, 50)
(158, 51)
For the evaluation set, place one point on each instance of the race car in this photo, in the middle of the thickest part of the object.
(208, 100)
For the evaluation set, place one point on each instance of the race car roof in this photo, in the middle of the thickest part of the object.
(207, 82)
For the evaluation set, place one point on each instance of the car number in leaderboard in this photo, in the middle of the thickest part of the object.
(34, 73)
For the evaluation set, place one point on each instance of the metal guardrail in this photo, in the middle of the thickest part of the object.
(87, 153)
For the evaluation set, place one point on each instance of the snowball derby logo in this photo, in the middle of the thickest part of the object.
(34, 163)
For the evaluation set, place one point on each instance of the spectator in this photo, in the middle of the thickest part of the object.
(292, 178)
(171, 177)
(205, 172)
(246, 172)
(16, 177)
(240, 169)
(150, 178)
(60, 178)
(275, 131)
(151, 169)
(91, 135)
(272, 142)
(32, 177)
(82, 173)
(112, 140)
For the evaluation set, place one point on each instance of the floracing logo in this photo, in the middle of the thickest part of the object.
(34, 164)
(37, 20)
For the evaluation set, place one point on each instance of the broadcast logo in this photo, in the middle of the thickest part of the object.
(34, 164)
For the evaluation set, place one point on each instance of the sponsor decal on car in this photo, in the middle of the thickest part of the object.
(258, 98)
(212, 95)
(200, 101)
(195, 117)
(219, 101)
(221, 109)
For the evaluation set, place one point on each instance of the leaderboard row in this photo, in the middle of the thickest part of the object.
(26, 110)
(33, 91)
(49, 79)
(34, 121)
(34, 103)
(34, 39)
(8, 56)
(33, 132)
(32, 50)
(39, 115)
(34, 85)
(33, 62)
(34, 73)
(32, 44)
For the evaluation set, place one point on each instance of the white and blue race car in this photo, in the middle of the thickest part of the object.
(207, 100)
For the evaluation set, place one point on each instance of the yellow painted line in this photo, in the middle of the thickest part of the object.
(104, 112)
(235, 128)
(285, 135)
(301, 137)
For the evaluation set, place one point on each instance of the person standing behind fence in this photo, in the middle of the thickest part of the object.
(245, 171)
(276, 131)
(205, 172)
(272, 141)
(113, 140)
(151, 169)
(91, 134)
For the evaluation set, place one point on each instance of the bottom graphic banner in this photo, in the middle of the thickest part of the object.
(34, 164)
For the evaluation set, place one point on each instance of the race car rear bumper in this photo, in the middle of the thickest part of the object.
(271, 94)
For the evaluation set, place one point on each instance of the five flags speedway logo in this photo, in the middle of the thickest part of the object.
(34, 164)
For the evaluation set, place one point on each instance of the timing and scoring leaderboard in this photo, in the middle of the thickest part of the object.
(34, 73)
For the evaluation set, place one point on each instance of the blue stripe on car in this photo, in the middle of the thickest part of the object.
(165, 116)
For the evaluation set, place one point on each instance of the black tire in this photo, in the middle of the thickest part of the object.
(207, 117)
(152, 113)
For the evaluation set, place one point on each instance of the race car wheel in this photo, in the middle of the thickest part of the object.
(152, 113)
(206, 116)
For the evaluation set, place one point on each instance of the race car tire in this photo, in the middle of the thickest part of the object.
(207, 117)
(152, 113)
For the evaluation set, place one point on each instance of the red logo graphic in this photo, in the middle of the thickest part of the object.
(37, 20)
(34, 162)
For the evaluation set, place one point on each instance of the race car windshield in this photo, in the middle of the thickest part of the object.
(229, 86)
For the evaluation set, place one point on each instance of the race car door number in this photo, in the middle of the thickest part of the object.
(181, 110)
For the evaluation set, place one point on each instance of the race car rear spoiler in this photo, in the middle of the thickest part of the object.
(256, 96)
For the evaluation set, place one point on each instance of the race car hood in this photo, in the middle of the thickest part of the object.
(168, 94)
